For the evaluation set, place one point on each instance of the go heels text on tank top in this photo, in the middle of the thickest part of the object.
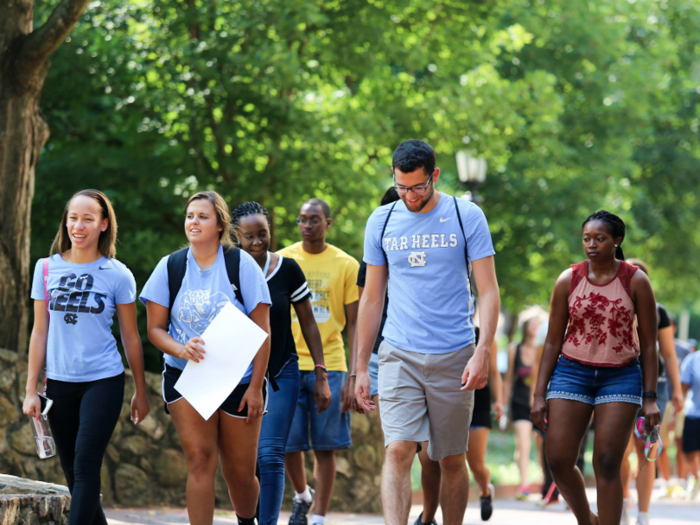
(602, 321)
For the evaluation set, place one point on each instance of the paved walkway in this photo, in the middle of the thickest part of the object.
(507, 512)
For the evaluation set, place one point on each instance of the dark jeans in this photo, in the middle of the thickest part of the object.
(82, 419)
(273, 442)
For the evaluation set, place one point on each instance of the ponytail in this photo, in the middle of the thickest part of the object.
(619, 255)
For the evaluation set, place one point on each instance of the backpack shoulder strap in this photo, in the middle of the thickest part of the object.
(46, 285)
(232, 257)
(461, 227)
(381, 237)
(177, 265)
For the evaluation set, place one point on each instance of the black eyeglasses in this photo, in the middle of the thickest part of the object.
(418, 189)
(315, 221)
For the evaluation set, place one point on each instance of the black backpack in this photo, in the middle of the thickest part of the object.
(177, 266)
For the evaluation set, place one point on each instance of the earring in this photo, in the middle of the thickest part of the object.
(616, 246)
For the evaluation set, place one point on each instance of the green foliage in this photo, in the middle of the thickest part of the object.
(575, 105)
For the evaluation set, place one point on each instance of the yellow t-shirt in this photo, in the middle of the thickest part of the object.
(332, 278)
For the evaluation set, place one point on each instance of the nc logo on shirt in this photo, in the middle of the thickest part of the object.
(417, 259)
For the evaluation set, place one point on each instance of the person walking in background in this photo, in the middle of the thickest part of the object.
(428, 365)
(78, 289)
(591, 361)
(690, 381)
(480, 428)
(288, 287)
(332, 276)
(683, 350)
(668, 370)
(184, 294)
(517, 389)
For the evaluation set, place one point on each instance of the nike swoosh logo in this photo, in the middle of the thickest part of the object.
(443, 219)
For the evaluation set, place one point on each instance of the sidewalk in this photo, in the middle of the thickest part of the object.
(506, 512)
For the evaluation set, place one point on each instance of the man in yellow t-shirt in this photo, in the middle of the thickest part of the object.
(331, 275)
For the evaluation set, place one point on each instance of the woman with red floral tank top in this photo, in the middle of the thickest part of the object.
(593, 360)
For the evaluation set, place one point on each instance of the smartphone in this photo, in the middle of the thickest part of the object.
(46, 404)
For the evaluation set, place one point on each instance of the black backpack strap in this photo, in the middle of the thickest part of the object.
(461, 227)
(466, 248)
(177, 266)
(381, 237)
(232, 257)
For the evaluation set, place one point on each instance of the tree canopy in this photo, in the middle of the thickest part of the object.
(576, 106)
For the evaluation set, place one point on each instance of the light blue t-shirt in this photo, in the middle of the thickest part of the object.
(690, 375)
(431, 309)
(202, 295)
(83, 299)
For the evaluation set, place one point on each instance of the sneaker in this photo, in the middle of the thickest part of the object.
(300, 509)
(544, 502)
(420, 522)
(692, 489)
(625, 520)
(643, 518)
(522, 493)
(487, 504)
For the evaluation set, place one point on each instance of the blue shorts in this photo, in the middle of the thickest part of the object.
(596, 385)
(329, 430)
(373, 375)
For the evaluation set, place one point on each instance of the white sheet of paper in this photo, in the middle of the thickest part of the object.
(231, 342)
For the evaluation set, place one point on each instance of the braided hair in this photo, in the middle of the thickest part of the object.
(615, 225)
(246, 209)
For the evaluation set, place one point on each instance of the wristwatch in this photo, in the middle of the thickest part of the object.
(650, 394)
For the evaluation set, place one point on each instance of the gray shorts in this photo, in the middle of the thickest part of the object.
(420, 399)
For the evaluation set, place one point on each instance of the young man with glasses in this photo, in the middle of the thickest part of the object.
(428, 366)
(331, 275)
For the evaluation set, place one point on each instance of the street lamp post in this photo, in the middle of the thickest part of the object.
(472, 172)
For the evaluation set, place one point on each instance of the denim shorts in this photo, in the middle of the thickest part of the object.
(373, 375)
(329, 430)
(596, 385)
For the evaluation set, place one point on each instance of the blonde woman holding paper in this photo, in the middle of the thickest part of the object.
(206, 272)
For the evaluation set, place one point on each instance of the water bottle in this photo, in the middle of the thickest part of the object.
(45, 445)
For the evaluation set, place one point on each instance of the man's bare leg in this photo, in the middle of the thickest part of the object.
(324, 478)
(454, 489)
(430, 481)
(396, 482)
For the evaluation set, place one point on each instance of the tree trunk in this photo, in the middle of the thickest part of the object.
(24, 62)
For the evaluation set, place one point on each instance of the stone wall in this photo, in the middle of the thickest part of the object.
(144, 464)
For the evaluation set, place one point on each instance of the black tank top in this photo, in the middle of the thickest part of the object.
(523, 379)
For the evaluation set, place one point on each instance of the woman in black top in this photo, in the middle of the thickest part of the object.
(669, 371)
(517, 389)
(288, 287)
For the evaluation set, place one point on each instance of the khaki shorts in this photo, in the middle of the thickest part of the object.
(420, 399)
